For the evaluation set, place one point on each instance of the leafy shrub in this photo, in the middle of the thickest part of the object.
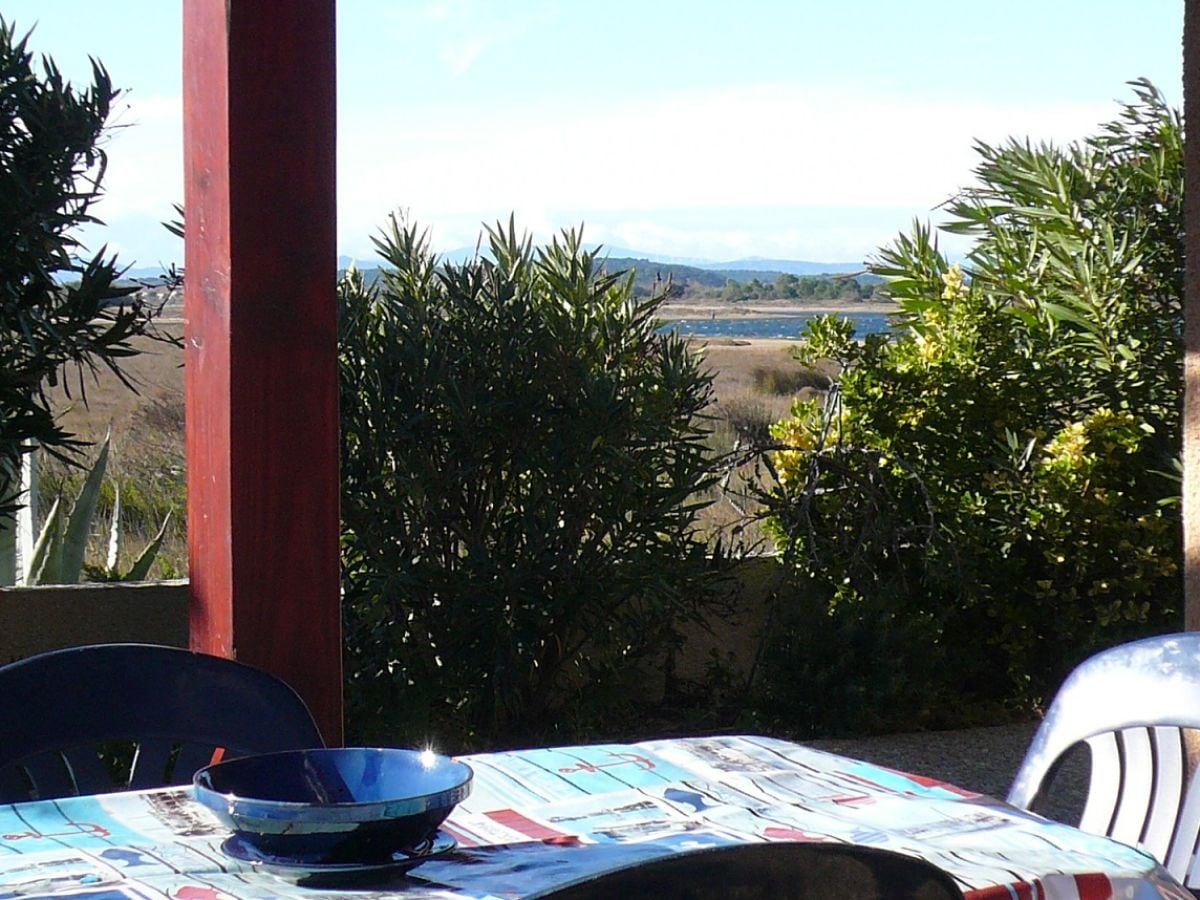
(59, 557)
(57, 311)
(519, 450)
(993, 479)
(847, 668)
(146, 467)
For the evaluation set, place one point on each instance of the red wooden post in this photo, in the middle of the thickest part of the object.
(261, 340)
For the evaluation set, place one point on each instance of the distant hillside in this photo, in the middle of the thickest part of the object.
(739, 269)
(746, 284)
(734, 285)
(789, 266)
(750, 267)
(737, 280)
(143, 273)
(646, 271)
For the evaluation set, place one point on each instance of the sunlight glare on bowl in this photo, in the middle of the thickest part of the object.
(428, 758)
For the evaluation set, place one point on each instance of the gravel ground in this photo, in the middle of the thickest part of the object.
(978, 759)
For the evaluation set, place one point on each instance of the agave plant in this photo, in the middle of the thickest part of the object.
(58, 555)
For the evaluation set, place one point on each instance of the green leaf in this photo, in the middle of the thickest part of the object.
(45, 562)
(79, 525)
(141, 566)
(1064, 313)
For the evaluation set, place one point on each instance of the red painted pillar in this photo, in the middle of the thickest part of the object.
(261, 340)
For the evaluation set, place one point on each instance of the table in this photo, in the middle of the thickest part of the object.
(543, 817)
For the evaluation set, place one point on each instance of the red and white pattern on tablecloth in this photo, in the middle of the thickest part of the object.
(540, 818)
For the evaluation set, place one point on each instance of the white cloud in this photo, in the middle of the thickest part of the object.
(769, 150)
(461, 31)
(630, 170)
(679, 241)
(770, 146)
(145, 158)
(811, 238)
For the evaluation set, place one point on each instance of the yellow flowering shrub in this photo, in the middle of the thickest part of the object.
(955, 283)
(802, 434)
(1079, 447)
(997, 504)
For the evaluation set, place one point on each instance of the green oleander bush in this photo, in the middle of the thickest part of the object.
(62, 316)
(521, 456)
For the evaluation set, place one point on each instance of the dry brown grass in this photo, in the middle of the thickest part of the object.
(755, 384)
(146, 456)
(757, 366)
(156, 372)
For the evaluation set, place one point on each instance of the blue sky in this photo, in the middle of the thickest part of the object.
(792, 129)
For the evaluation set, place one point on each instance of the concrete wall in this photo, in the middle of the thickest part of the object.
(34, 620)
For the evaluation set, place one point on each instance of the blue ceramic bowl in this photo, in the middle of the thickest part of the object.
(352, 805)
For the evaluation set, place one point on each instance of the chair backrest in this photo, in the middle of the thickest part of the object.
(62, 713)
(1136, 707)
(771, 871)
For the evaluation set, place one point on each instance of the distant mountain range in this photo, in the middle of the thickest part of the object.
(144, 273)
(694, 278)
(759, 267)
(740, 270)
(759, 264)
(702, 271)
(788, 266)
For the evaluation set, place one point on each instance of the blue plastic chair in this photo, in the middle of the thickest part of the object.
(62, 712)
(770, 871)
(1135, 707)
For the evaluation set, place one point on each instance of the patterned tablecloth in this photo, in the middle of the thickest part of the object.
(540, 818)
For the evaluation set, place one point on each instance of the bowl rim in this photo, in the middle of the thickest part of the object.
(242, 805)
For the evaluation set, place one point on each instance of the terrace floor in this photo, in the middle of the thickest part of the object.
(979, 759)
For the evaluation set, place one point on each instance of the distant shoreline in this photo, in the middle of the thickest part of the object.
(672, 312)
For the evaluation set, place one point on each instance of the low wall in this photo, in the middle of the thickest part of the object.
(34, 620)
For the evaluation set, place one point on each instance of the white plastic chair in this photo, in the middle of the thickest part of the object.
(1135, 707)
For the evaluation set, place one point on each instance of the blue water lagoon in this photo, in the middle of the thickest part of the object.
(778, 327)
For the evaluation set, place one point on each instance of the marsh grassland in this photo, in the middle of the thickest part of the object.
(755, 384)
(146, 458)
